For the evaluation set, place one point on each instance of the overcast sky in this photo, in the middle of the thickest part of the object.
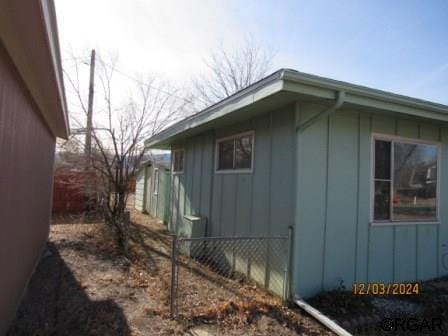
(399, 46)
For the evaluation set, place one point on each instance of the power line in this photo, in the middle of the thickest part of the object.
(146, 84)
(137, 80)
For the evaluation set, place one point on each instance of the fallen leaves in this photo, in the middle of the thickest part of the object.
(139, 288)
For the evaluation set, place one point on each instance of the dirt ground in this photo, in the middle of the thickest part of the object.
(82, 286)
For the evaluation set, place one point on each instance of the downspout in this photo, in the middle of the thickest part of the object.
(340, 99)
(325, 320)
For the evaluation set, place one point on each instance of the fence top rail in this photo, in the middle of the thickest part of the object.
(233, 238)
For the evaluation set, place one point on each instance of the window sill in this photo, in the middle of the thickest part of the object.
(234, 171)
(374, 224)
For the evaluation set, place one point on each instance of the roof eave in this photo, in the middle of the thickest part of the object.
(256, 92)
(363, 96)
(305, 85)
(34, 49)
(49, 16)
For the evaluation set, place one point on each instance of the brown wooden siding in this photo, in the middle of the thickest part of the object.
(26, 168)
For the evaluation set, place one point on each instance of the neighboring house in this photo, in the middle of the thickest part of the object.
(152, 191)
(331, 159)
(32, 114)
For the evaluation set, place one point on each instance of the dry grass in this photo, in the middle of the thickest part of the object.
(104, 293)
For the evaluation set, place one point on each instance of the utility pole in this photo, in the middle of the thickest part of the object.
(88, 140)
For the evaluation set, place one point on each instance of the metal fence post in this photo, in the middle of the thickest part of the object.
(173, 276)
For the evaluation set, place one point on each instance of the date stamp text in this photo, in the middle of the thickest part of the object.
(386, 288)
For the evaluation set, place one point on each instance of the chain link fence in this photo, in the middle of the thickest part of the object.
(208, 272)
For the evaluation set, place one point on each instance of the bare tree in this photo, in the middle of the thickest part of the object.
(230, 71)
(120, 125)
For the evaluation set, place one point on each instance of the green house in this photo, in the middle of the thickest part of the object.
(357, 172)
(152, 194)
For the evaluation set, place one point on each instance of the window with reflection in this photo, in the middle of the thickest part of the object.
(405, 181)
(226, 150)
(235, 153)
(178, 161)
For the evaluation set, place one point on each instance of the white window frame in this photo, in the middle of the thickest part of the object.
(392, 139)
(172, 161)
(235, 171)
(156, 177)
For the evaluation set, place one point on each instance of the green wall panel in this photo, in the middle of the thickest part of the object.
(261, 177)
(442, 231)
(243, 205)
(318, 180)
(228, 206)
(257, 203)
(340, 232)
(311, 203)
(335, 240)
(363, 200)
(427, 246)
(214, 224)
(381, 258)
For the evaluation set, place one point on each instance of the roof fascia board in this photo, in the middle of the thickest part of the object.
(307, 85)
(310, 90)
(34, 50)
(239, 102)
(319, 85)
(396, 108)
(49, 16)
(362, 99)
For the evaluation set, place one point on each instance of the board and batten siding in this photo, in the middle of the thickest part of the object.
(163, 197)
(235, 204)
(335, 243)
(260, 202)
(26, 182)
(156, 204)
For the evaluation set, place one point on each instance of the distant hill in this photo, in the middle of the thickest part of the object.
(165, 157)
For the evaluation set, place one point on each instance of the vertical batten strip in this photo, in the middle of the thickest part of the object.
(269, 214)
(394, 229)
(211, 210)
(417, 228)
(441, 218)
(235, 205)
(297, 229)
(194, 145)
(325, 204)
(370, 205)
(201, 177)
(220, 202)
(358, 172)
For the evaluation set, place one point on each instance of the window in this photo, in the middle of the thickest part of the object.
(405, 180)
(156, 181)
(235, 153)
(178, 161)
